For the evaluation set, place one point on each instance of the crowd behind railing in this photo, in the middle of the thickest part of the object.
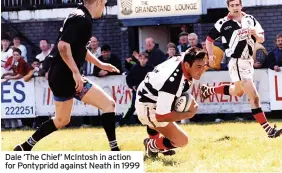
(14, 60)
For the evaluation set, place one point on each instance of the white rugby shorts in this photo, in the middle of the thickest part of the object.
(146, 113)
(241, 69)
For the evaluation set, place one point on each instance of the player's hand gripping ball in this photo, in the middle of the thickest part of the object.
(183, 103)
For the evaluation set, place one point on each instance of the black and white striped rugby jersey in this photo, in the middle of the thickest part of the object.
(163, 85)
(234, 35)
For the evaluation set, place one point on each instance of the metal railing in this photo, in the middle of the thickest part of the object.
(15, 5)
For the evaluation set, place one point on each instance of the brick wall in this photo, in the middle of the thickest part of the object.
(269, 17)
(107, 30)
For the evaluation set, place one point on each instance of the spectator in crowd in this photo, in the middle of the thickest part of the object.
(171, 50)
(194, 41)
(6, 50)
(183, 42)
(17, 64)
(45, 50)
(156, 56)
(35, 71)
(274, 59)
(259, 55)
(14, 63)
(110, 58)
(218, 53)
(131, 61)
(95, 50)
(17, 44)
(133, 79)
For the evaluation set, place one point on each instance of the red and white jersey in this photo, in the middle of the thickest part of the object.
(234, 35)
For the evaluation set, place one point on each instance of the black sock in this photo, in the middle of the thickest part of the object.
(108, 123)
(226, 90)
(44, 130)
(151, 132)
(167, 144)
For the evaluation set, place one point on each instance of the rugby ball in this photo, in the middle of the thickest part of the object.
(183, 103)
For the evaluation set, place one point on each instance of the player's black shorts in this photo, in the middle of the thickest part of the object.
(63, 92)
(86, 87)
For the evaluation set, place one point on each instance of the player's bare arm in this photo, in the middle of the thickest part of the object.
(209, 45)
(104, 66)
(178, 116)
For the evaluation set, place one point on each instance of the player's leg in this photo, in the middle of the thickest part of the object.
(227, 89)
(153, 134)
(95, 96)
(252, 94)
(173, 137)
(145, 112)
(63, 108)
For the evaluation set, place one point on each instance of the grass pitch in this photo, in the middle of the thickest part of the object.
(223, 147)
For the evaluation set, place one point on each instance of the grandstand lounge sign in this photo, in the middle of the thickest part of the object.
(130, 9)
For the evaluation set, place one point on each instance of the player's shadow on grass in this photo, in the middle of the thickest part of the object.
(225, 138)
(167, 161)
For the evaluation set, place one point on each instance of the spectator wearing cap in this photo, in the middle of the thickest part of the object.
(17, 64)
(183, 42)
(108, 57)
(45, 50)
(274, 58)
(194, 41)
(6, 50)
(17, 44)
(171, 50)
(156, 56)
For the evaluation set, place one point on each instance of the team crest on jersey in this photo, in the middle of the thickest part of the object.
(126, 6)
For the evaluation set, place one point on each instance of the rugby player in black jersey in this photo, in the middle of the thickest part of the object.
(66, 81)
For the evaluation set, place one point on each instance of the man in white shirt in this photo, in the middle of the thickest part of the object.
(95, 50)
(17, 44)
(45, 48)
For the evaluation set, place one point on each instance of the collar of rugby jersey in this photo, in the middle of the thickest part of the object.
(231, 17)
(85, 10)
